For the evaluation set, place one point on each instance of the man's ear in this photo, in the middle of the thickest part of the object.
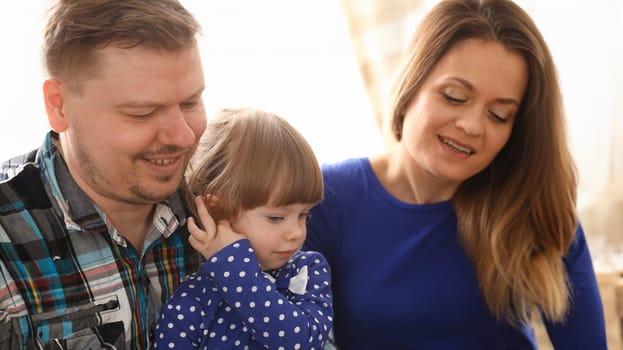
(53, 98)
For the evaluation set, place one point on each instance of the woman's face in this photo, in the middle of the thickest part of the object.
(463, 113)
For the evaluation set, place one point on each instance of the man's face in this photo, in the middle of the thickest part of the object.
(131, 131)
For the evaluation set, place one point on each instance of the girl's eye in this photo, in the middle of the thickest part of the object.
(453, 99)
(305, 216)
(274, 218)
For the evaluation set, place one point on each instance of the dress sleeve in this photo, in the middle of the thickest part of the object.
(182, 316)
(275, 318)
(584, 326)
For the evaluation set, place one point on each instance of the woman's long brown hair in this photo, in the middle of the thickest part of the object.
(517, 217)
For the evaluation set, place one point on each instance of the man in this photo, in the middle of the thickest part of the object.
(92, 224)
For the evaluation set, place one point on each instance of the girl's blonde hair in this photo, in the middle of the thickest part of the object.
(249, 158)
(517, 217)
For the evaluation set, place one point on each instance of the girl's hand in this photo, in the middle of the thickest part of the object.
(214, 237)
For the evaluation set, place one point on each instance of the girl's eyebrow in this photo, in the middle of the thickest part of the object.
(470, 87)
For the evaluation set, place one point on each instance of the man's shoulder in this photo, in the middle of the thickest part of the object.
(13, 166)
(21, 185)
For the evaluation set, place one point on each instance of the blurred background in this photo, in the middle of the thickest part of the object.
(326, 65)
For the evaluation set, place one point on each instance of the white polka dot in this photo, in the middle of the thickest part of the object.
(171, 345)
(267, 303)
(230, 258)
(193, 308)
(282, 334)
(297, 329)
(239, 289)
(252, 304)
(170, 325)
(226, 274)
(180, 317)
(266, 335)
(242, 274)
(266, 319)
(214, 259)
(251, 319)
(282, 317)
(182, 334)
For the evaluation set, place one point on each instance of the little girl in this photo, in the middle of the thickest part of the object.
(257, 178)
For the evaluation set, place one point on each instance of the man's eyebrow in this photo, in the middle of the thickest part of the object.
(149, 104)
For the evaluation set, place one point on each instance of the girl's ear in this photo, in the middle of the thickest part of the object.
(53, 99)
(213, 204)
(211, 200)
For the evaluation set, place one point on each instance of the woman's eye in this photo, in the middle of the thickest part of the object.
(454, 99)
(497, 116)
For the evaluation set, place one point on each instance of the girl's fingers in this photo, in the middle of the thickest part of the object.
(206, 219)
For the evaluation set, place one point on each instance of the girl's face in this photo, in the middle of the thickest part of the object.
(275, 233)
(463, 114)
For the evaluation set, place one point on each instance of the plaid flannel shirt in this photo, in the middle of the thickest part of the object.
(67, 277)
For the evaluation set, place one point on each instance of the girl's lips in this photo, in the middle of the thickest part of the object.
(286, 254)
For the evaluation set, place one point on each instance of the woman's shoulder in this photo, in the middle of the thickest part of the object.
(347, 170)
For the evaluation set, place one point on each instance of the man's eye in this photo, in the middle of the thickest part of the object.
(188, 105)
(142, 115)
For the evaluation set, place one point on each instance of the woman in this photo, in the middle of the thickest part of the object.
(454, 238)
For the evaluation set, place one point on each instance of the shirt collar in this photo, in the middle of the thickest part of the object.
(80, 214)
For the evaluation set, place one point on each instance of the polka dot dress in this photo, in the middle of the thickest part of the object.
(231, 304)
